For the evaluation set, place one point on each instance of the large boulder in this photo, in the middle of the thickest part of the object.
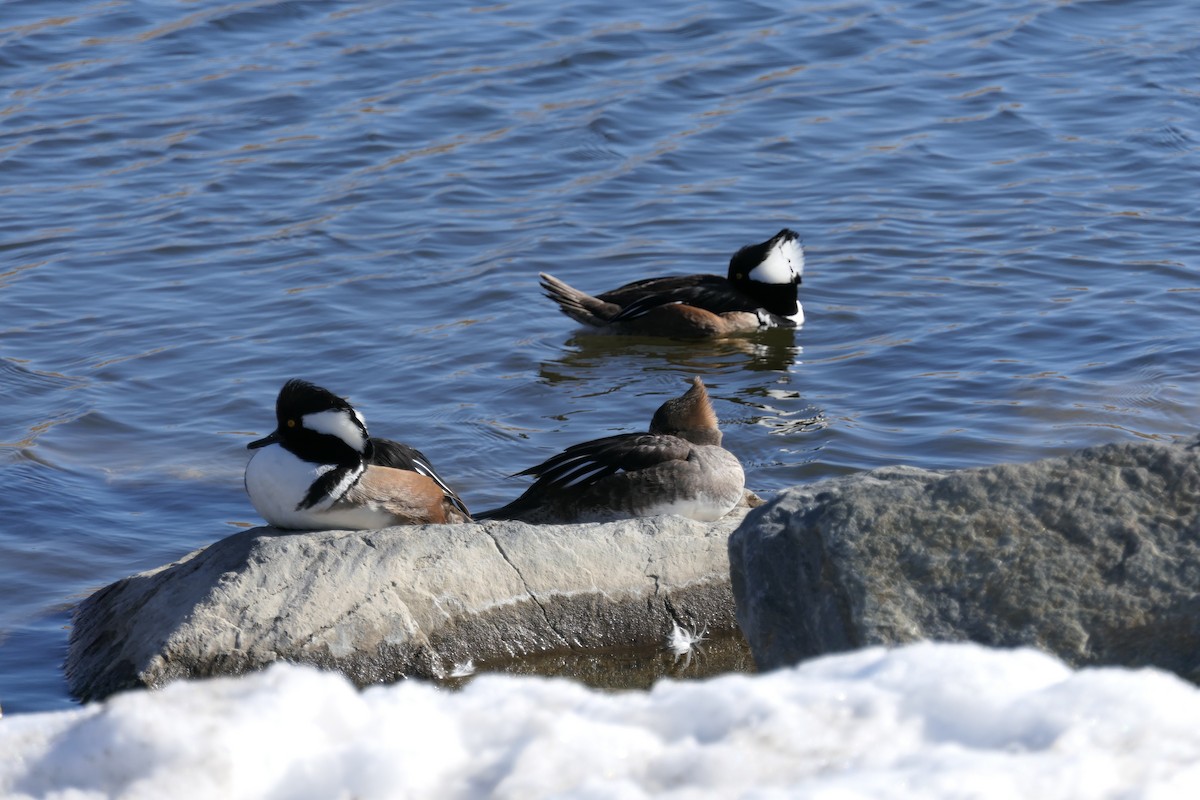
(1094, 557)
(405, 601)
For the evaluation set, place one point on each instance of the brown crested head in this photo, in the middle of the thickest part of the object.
(689, 416)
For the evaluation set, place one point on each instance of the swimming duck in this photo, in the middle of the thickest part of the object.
(759, 291)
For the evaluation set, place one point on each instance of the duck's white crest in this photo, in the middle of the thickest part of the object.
(783, 264)
(338, 423)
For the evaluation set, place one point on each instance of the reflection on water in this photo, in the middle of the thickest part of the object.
(773, 410)
(586, 354)
(631, 668)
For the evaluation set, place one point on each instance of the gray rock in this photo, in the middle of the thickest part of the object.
(1094, 557)
(378, 605)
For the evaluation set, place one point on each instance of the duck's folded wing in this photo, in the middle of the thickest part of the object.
(586, 463)
(709, 292)
(397, 455)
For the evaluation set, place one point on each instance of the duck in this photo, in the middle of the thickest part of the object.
(679, 467)
(321, 470)
(760, 290)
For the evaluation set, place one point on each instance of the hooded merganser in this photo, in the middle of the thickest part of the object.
(320, 469)
(759, 292)
(679, 467)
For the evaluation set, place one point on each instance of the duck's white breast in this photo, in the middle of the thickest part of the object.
(277, 483)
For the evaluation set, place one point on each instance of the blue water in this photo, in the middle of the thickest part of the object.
(201, 200)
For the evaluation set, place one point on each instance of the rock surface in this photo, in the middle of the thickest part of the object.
(377, 605)
(1094, 557)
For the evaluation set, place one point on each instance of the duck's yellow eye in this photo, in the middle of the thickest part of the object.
(739, 276)
(291, 423)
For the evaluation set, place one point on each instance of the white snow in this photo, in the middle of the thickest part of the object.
(927, 721)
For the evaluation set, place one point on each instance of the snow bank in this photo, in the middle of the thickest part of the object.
(927, 720)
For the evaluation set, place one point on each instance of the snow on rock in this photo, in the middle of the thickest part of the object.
(926, 720)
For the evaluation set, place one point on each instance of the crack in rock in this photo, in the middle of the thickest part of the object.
(528, 591)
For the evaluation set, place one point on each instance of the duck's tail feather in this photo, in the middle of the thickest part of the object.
(579, 306)
(514, 510)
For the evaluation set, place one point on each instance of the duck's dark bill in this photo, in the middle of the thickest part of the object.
(271, 438)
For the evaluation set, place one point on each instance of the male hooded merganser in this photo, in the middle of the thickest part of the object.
(759, 292)
(679, 467)
(319, 469)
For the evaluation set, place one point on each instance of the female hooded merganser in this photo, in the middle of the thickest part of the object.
(319, 469)
(759, 292)
(679, 467)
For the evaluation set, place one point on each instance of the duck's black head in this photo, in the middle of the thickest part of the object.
(317, 425)
(770, 272)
